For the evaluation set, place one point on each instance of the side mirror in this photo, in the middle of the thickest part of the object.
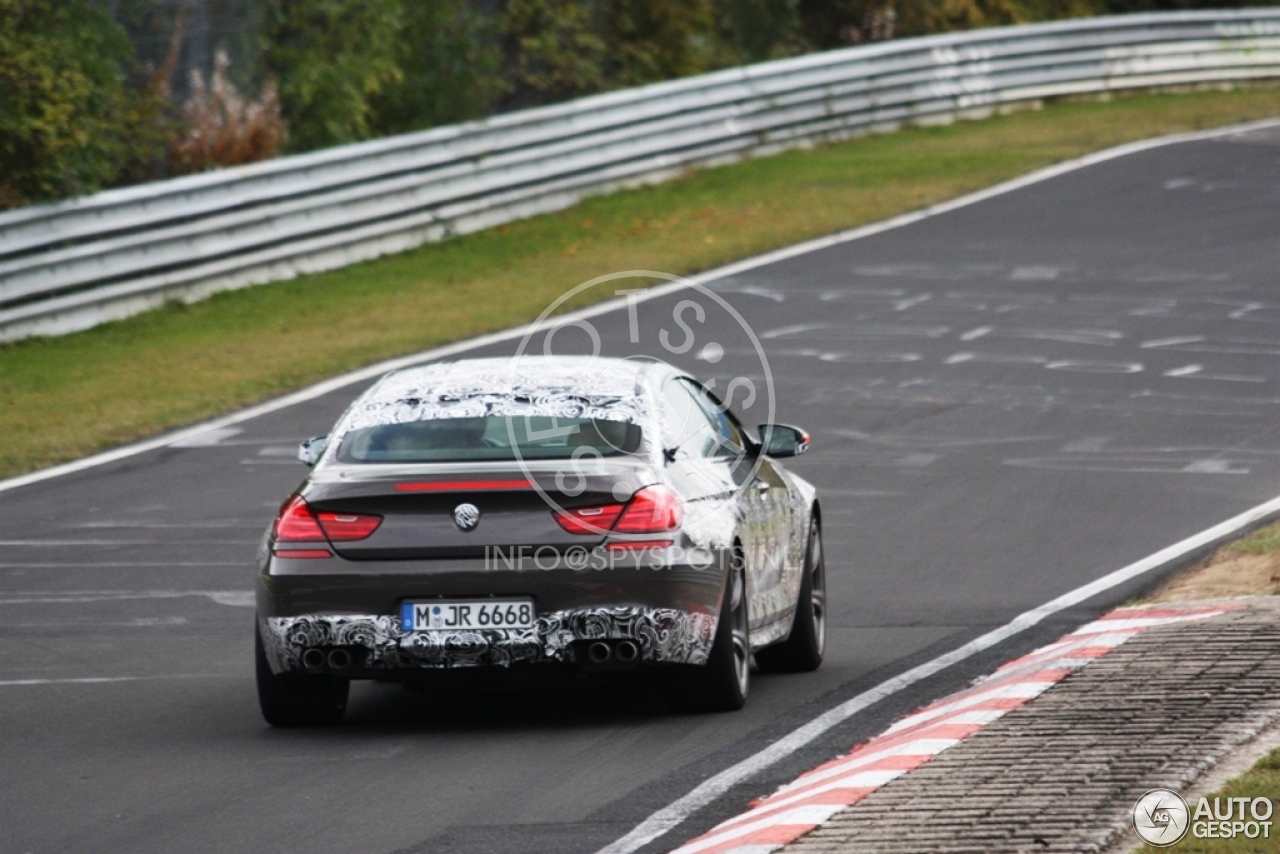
(782, 440)
(311, 450)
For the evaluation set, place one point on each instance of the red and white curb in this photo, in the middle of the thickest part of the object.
(810, 800)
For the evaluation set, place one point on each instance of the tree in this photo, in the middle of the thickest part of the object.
(450, 59)
(651, 40)
(333, 58)
(759, 29)
(64, 108)
(554, 50)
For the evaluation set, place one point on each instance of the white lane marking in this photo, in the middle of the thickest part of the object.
(1131, 464)
(372, 371)
(750, 290)
(994, 359)
(712, 788)
(98, 680)
(1092, 337)
(85, 564)
(209, 438)
(975, 334)
(142, 622)
(232, 598)
(65, 543)
(1194, 372)
(1231, 378)
(918, 460)
(1245, 309)
(1095, 367)
(124, 524)
(794, 329)
(1213, 467)
(903, 305)
(1170, 342)
(1090, 444)
(869, 358)
(1035, 274)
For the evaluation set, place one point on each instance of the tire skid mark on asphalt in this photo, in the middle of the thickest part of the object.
(814, 797)
(66, 543)
(230, 598)
(99, 680)
(116, 564)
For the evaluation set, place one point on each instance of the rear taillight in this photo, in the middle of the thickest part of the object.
(297, 523)
(348, 527)
(652, 510)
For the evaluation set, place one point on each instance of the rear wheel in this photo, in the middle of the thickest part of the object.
(802, 651)
(721, 684)
(298, 699)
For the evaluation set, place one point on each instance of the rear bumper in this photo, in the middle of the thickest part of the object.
(666, 607)
(378, 643)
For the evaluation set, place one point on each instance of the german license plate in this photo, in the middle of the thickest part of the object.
(466, 615)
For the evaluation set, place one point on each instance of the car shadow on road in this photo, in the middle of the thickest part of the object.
(506, 701)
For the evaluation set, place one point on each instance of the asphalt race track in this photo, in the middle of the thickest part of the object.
(1007, 401)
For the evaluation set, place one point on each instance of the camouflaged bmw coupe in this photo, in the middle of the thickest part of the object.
(584, 513)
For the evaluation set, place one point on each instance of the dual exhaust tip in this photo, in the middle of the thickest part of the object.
(316, 660)
(623, 652)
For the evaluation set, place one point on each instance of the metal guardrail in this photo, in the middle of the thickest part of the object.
(75, 264)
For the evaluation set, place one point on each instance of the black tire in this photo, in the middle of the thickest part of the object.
(298, 699)
(802, 651)
(721, 685)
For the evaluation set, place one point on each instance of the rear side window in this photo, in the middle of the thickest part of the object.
(694, 422)
(489, 438)
(729, 441)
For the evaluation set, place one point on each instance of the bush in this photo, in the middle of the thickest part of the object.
(652, 40)
(554, 50)
(64, 108)
(757, 30)
(224, 128)
(333, 58)
(450, 60)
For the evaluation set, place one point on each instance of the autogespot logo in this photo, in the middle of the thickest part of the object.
(701, 325)
(1161, 817)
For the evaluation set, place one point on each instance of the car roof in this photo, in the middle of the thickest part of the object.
(587, 376)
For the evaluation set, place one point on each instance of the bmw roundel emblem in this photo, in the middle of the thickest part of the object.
(466, 516)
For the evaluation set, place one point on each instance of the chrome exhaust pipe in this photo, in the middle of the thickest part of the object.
(313, 659)
(599, 652)
(339, 659)
(627, 651)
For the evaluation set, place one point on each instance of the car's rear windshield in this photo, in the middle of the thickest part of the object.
(496, 437)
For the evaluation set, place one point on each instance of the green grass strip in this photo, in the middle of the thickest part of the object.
(62, 398)
(1265, 540)
(1260, 781)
